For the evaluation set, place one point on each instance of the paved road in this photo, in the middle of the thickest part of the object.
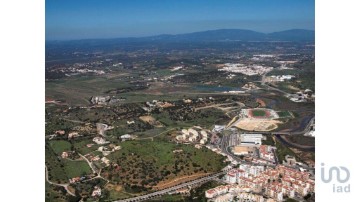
(224, 145)
(144, 138)
(263, 83)
(90, 164)
(174, 188)
(56, 184)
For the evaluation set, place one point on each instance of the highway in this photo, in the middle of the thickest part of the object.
(171, 189)
(224, 146)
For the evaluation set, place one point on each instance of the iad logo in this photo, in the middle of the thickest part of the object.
(342, 176)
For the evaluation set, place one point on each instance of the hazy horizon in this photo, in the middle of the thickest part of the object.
(99, 38)
(95, 19)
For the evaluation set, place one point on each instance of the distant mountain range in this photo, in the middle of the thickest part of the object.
(239, 35)
(224, 35)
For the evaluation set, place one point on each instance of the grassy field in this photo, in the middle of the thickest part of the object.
(60, 170)
(76, 168)
(80, 146)
(258, 113)
(55, 166)
(60, 146)
(78, 90)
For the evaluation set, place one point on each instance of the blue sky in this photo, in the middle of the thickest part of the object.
(82, 19)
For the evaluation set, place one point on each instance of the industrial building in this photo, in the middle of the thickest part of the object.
(251, 139)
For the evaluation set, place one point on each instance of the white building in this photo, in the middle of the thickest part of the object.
(203, 141)
(251, 139)
(224, 198)
(100, 140)
(193, 132)
(126, 137)
(231, 177)
(96, 192)
(218, 128)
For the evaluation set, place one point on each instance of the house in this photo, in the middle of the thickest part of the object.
(130, 122)
(73, 135)
(218, 128)
(96, 192)
(105, 160)
(224, 198)
(127, 137)
(60, 132)
(187, 101)
(198, 146)
(100, 140)
(64, 155)
(74, 180)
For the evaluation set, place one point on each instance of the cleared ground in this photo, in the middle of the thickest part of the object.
(257, 124)
(150, 120)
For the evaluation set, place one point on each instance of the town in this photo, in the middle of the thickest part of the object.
(206, 122)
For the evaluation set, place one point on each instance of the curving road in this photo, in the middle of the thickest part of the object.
(56, 184)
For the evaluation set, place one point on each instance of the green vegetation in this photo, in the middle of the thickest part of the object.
(258, 113)
(118, 195)
(205, 118)
(60, 170)
(57, 193)
(80, 146)
(145, 163)
(269, 141)
(55, 166)
(76, 168)
(302, 140)
(60, 146)
(53, 193)
(198, 194)
(54, 123)
(284, 114)
(77, 90)
(282, 151)
(85, 189)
